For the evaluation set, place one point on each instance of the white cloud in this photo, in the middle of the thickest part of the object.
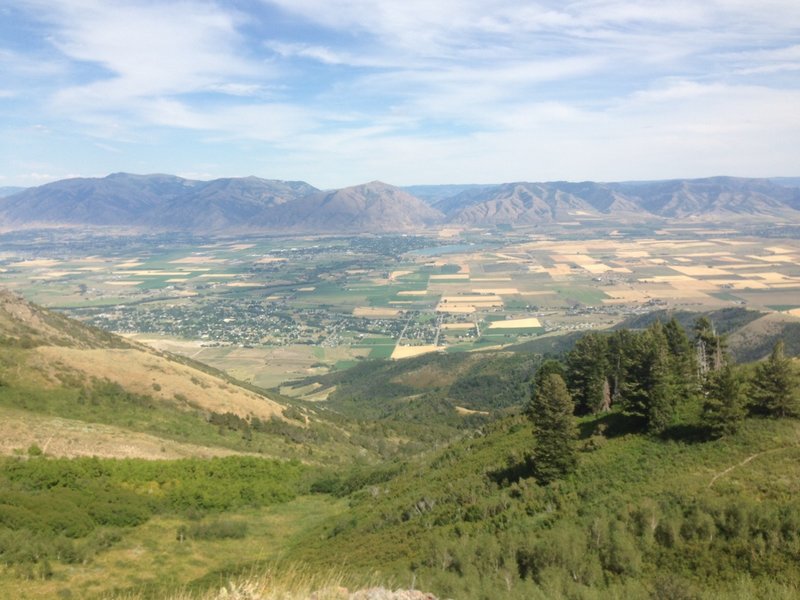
(146, 50)
(417, 90)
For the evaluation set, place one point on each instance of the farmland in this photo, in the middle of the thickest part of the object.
(273, 309)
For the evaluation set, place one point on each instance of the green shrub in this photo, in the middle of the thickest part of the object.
(220, 529)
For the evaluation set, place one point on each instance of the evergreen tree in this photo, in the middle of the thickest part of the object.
(683, 358)
(775, 385)
(662, 393)
(587, 370)
(622, 355)
(650, 389)
(549, 367)
(555, 433)
(724, 406)
(634, 374)
(710, 348)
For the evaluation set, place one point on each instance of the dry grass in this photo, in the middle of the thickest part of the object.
(559, 270)
(467, 304)
(375, 312)
(700, 271)
(774, 258)
(516, 323)
(39, 262)
(466, 411)
(71, 438)
(496, 291)
(409, 351)
(149, 273)
(196, 260)
(396, 274)
(279, 582)
(617, 296)
(138, 371)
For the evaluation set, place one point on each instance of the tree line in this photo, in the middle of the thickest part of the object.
(651, 376)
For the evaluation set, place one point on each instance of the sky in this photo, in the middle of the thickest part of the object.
(340, 92)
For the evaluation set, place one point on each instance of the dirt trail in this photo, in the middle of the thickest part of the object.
(745, 461)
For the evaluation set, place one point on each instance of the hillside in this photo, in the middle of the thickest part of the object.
(170, 203)
(9, 190)
(63, 384)
(374, 206)
(415, 472)
(153, 202)
(716, 198)
(642, 517)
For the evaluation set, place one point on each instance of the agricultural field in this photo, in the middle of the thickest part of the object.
(273, 309)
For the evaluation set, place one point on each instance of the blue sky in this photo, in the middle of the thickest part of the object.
(414, 91)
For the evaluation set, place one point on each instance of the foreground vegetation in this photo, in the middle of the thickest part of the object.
(641, 464)
(679, 482)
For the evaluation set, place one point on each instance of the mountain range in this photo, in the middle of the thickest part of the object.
(168, 202)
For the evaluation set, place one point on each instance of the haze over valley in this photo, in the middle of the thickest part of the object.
(379, 300)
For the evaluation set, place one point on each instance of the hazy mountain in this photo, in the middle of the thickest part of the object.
(150, 201)
(786, 181)
(714, 196)
(434, 193)
(118, 199)
(373, 206)
(10, 191)
(244, 202)
(516, 203)
(531, 203)
(166, 202)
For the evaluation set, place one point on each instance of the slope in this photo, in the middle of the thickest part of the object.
(373, 207)
(170, 203)
(153, 202)
(54, 368)
(715, 198)
(642, 517)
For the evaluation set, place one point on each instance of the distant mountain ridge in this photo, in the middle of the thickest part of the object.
(532, 203)
(10, 190)
(167, 202)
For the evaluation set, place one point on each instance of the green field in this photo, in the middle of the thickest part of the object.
(305, 288)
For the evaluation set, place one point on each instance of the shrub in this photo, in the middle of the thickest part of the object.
(221, 529)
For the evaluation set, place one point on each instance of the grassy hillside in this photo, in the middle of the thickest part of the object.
(56, 374)
(86, 528)
(642, 517)
(412, 473)
(479, 381)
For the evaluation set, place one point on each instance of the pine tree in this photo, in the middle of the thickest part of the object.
(587, 369)
(622, 355)
(662, 394)
(724, 406)
(554, 450)
(775, 385)
(683, 359)
(650, 389)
